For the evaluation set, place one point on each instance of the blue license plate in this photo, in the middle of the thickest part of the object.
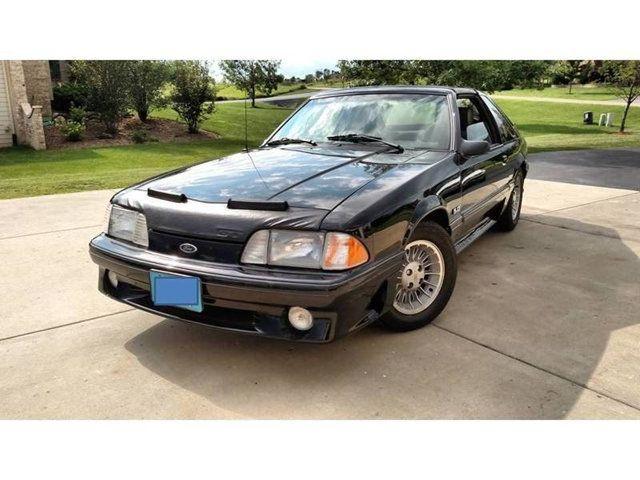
(168, 289)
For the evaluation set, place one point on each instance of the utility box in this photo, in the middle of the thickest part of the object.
(609, 122)
(587, 118)
(603, 120)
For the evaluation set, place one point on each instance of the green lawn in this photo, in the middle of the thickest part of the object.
(230, 92)
(558, 126)
(24, 172)
(329, 84)
(578, 92)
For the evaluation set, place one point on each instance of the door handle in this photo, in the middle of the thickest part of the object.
(471, 176)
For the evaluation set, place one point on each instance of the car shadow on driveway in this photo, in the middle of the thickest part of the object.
(537, 314)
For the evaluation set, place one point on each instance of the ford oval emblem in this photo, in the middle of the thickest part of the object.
(188, 248)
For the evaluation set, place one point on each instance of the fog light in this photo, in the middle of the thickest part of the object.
(113, 279)
(300, 318)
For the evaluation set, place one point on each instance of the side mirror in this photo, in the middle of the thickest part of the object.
(470, 148)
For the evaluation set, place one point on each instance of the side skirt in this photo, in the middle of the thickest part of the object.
(482, 227)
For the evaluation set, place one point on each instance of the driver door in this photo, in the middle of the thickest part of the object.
(480, 174)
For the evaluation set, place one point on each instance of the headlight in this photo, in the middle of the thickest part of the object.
(290, 248)
(303, 249)
(128, 225)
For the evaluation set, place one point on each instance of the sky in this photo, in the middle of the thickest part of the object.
(299, 68)
(291, 67)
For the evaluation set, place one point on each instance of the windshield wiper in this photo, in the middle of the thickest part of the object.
(361, 137)
(287, 141)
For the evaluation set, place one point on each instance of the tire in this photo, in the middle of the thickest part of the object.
(511, 215)
(426, 237)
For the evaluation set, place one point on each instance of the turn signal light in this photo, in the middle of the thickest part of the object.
(342, 251)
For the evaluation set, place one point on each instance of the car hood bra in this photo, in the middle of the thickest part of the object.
(313, 181)
(313, 177)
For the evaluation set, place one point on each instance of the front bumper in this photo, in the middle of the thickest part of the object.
(251, 299)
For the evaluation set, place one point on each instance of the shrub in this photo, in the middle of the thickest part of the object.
(77, 114)
(139, 136)
(145, 81)
(59, 121)
(107, 95)
(72, 131)
(194, 94)
(67, 95)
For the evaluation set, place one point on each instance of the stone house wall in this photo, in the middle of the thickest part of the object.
(27, 118)
(6, 117)
(38, 83)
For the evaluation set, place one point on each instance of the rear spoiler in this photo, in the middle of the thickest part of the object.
(257, 205)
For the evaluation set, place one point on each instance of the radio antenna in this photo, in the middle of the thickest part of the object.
(246, 141)
(246, 145)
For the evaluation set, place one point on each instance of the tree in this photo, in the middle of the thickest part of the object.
(624, 78)
(489, 75)
(318, 75)
(145, 82)
(252, 75)
(526, 73)
(565, 72)
(194, 92)
(374, 72)
(106, 85)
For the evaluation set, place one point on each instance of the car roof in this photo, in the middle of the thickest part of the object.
(427, 89)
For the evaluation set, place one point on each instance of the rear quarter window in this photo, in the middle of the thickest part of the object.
(505, 127)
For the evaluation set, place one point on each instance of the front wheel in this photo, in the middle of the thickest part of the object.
(426, 280)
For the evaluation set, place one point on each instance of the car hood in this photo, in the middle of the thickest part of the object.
(314, 177)
(312, 180)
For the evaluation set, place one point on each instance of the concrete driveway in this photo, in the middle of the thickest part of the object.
(544, 323)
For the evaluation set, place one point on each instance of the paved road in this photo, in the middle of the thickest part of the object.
(615, 168)
(543, 324)
(312, 91)
(294, 99)
(287, 99)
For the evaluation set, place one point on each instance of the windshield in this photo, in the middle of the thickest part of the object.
(412, 120)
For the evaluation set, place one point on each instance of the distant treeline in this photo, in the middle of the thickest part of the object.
(488, 75)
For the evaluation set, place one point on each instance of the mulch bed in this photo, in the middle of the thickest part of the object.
(157, 130)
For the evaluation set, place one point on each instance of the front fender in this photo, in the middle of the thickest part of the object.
(425, 207)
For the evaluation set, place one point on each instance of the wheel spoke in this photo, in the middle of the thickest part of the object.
(417, 286)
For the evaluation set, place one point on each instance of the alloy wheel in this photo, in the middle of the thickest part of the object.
(420, 279)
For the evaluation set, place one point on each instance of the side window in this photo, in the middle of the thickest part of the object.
(473, 123)
(505, 127)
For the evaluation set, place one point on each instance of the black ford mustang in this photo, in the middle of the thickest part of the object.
(352, 211)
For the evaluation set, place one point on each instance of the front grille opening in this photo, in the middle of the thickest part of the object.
(215, 251)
